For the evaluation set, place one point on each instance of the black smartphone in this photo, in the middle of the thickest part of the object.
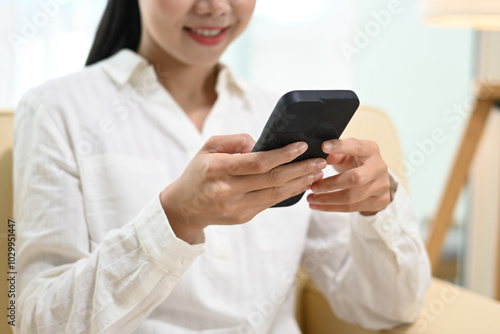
(312, 116)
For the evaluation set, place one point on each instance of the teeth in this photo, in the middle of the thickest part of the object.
(206, 33)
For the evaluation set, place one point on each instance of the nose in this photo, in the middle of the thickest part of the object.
(213, 7)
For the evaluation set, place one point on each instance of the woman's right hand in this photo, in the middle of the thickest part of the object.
(227, 184)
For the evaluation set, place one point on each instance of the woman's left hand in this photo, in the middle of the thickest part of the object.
(363, 183)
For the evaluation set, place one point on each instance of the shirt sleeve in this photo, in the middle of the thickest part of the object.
(374, 270)
(64, 286)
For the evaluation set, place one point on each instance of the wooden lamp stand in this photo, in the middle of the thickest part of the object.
(487, 96)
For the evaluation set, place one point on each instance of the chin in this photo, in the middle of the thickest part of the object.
(204, 61)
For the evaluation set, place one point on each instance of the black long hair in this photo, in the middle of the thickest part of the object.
(120, 27)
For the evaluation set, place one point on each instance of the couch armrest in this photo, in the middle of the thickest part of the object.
(448, 309)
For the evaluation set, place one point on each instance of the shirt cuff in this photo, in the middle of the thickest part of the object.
(386, 224)
(159, 241)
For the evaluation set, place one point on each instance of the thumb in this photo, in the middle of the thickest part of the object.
(231, 144)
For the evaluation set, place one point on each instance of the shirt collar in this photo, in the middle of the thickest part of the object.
(124, 65)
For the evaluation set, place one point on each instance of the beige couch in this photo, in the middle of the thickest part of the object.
(448, 309)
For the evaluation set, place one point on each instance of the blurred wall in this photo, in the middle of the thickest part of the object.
(422, 76)
(283, 50)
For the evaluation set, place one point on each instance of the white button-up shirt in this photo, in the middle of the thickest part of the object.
(94, 149)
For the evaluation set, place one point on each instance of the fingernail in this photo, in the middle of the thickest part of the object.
(315, 177)
(328, 145)
(321, 163)
(302, 147)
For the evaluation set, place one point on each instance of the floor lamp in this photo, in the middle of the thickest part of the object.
(479, 15)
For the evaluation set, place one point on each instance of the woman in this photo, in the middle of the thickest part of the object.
(134, 217)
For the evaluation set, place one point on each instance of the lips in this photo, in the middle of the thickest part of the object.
(207, 35)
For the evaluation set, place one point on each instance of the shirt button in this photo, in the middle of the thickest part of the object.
(387, 226)
(187, 260)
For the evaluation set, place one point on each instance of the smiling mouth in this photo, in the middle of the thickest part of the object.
(207, 32)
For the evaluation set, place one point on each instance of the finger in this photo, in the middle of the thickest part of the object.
(353, 178)
(231, 144)
(282, 174)
(371, 204)
(342, 162)
(339, 208)
(263, 162)
(270, 196)
(346, 196)
(337, 159)
(351, 146)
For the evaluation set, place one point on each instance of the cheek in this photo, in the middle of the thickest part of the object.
(172, 7)
(247, 8)
(243, 10)
(162, 15)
